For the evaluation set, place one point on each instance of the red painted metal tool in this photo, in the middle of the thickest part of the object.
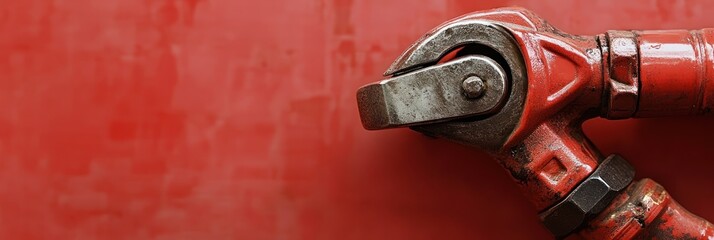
(508, 82)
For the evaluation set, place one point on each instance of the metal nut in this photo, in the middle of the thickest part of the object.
(589, 197)
(622, 77)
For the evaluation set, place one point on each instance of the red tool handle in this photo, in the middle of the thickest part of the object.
(671, 73)
(646, 211)
(676, 71)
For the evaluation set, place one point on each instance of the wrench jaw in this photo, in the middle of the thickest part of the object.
(428, 97)
(468, 86)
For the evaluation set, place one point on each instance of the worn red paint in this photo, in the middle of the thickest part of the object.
(572, 78)
(646, 211)
(678, 79)
(218, 119)
(564, 83)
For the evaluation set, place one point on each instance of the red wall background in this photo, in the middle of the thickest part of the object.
(223, 119)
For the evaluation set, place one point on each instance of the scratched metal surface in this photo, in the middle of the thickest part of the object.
(221, 119)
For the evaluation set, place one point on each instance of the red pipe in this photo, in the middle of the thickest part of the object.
(675, 69)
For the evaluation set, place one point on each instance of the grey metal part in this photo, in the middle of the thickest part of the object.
(490, 131)
(432, 94)
(435, 44)
(590, 197)
(487, 132)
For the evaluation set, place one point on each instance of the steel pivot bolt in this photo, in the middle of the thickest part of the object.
(473, 87)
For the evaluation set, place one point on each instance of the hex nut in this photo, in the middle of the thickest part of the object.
(590, 197)
(622, 76)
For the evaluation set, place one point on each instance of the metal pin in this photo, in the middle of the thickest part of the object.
(473, 87)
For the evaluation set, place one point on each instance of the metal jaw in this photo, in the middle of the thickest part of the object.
(465, 87)
(486, 81)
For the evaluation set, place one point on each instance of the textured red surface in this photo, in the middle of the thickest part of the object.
(221, 119)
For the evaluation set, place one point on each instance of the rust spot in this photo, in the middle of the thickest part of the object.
(519, 157)
(659, 230)
(520, 153)
(521, 175)
(639, 210)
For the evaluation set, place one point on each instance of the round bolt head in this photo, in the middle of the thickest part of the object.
(473, 87)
